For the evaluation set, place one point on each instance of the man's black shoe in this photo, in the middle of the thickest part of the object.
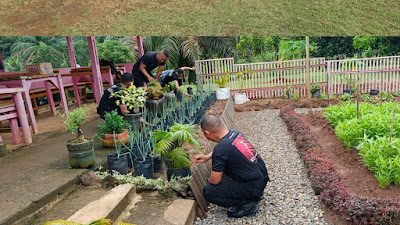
(247, 208)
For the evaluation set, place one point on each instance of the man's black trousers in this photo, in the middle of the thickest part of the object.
(231, 192)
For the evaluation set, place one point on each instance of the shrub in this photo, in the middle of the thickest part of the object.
(113, 123)
(75, 120)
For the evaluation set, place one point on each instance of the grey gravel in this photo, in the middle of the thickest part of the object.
(305, 110)
(289, 198)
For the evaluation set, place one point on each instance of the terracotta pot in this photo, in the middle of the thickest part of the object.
(108, 139)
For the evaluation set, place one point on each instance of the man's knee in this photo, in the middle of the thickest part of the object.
(208, 193)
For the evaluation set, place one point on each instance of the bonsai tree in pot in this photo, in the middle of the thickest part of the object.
(113, 124)
(134, 98)
(169, 144)
(155, 90)
(223, 92)
(169, 93)
(81, 151)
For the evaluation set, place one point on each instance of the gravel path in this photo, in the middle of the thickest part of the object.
(289, 198)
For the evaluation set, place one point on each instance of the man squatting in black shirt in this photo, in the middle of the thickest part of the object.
(237, 159)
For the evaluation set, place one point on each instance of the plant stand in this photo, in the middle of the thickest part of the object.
(81, 155)
(169, 99)
(155, 106)
(3, 149)
(134, 120)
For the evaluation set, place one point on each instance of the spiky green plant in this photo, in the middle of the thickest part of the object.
(170, 143)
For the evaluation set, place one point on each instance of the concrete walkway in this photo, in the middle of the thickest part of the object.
(35, 175)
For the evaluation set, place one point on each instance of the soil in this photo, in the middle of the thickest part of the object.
(217, 109)
(279, 103)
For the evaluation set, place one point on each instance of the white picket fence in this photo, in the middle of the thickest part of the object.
(271, 79)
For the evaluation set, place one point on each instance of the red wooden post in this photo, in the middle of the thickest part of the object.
(71, 52)
(97, 80)
(1, 62)
(140, 45)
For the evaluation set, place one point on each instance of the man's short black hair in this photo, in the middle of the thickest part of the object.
(126, 78)
(211, 123)
(179, 71)
(165, 52)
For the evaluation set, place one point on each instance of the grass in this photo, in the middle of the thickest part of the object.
(201, 17)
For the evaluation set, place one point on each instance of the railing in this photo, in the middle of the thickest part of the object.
(272, 79)
(264, 79)
(370, 74)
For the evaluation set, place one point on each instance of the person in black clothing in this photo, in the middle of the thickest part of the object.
(175, 76)
(237, 159)
(108, 104)
(145, 64)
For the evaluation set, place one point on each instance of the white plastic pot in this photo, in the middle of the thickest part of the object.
(241, 98)
(223, 93)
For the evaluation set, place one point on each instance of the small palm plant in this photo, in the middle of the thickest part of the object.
(169, 144)
(222, 80)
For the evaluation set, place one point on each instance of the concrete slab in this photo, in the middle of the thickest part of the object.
(181, 212)
(35, 175)
(109, 206)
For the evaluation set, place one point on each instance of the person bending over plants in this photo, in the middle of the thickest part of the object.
(174, 76)
(236, 158)
(108, 103)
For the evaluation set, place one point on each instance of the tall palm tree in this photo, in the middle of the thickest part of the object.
(183, 51)
(27, 47)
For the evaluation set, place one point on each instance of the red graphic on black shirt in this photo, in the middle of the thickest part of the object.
(246, 148)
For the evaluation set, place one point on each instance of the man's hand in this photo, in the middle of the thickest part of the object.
(202, 158)
(150, 78)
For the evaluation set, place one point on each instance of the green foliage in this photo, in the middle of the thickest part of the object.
(113, 123)
(382, 158)
(347, 97)
(370, 134)
(160, 183)
(385, 96)
(315, 88)
(170, 87)
(170, 143)
(75, 120)
(222, 80)
(132, 97)
(377, 45)
(324, 96)
(296, 95)
(113, 50)
(287, 91)
(154, 90)
(366, 97)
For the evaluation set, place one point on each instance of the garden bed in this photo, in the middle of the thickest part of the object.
(358, 179)
(279, 103)
(331, 179)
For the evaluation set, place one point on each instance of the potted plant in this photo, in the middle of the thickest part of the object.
(119, 160)
(113, 124)
(315, 91)
(169, 144)
(81, 151)
(179, 95)
(134, 98)
(154, 91)
(223, 92)
(351, 87)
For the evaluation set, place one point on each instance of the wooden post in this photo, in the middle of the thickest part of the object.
(71, 52)
(391, 128)
(140, 45)
(97, 79)
(308, 89)
(2, 63)
(358, 95)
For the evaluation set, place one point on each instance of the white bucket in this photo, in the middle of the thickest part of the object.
(223, 93)
(241, 98)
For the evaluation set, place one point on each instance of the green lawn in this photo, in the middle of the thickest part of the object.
(200, 17)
